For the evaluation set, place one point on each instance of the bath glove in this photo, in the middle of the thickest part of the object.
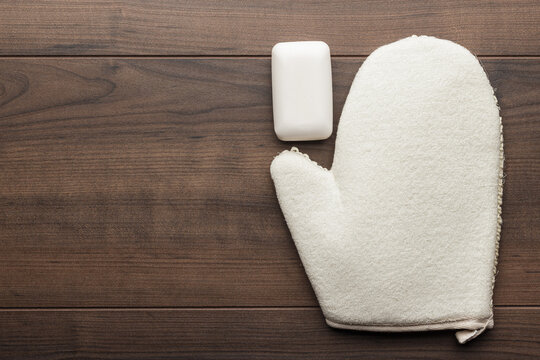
(402, 233)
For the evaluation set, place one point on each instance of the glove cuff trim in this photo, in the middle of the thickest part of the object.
(469, 329)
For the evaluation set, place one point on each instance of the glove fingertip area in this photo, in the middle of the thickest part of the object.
(286, 161)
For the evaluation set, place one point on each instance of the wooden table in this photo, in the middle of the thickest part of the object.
(138, 219)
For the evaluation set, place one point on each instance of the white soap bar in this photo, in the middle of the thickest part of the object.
(302, 90)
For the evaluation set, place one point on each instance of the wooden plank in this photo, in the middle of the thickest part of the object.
(145, 182)
(234, 27)
(245, 334)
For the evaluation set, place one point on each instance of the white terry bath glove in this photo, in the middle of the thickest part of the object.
(402, 233)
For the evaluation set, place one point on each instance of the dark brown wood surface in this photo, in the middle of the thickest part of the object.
(137, 215)
(145, 182)
(286, 333)
(235, 27)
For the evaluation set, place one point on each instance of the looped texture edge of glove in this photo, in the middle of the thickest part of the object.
(402, 233)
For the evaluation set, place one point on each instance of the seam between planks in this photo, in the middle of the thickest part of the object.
(216, 308)
(202, 57)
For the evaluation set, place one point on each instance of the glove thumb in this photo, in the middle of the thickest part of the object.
(310, 199)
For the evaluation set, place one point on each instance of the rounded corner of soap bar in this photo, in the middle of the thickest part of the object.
(309, 48)
(277, 48)
(327, 133)
(323, 46)
(302, 90)
(322, 130)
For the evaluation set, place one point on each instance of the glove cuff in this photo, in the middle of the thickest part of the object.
(468, 329)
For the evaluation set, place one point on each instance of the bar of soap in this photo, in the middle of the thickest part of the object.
(302, 90)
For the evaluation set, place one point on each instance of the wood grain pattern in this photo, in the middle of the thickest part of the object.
(234, 27)
(145, 182)
(245, 334)
(138, 219)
